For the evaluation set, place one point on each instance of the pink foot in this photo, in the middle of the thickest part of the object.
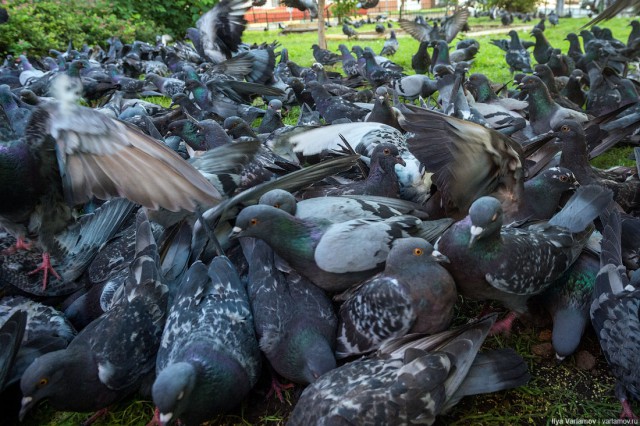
(503, 326)
(91, 420)
(155, 421)
(627, 412)
(20, 244)
(45, 267)
(278, 388)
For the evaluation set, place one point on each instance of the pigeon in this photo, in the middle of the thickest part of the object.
(511, 264)
(349, 31)
(414, 86)
(518, 58)
(542, 49)
(380, 29)
(71, 153)
(295, 321)
(544, 113)
(47, 330)
(615, 307)
(11, 334)
(349, 65)
(575, 157)
(314, 248)
(391, 45)
(303, 5)
(333, 108)
(414, 294)
(382, 179)
(553, 18)
(568, 300)
(411, 379)
(109, 359)
(272, 119)
(421, 61)
(447, 31)
(220, 29)
(324, 56)
(219, 352)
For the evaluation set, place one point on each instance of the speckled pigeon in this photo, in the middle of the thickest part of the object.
(47, 330)
(414, 294)
(615, 315)
(295, 321)
(11, 334)
(108, 359)
(411, 380)
(209, 357)
(491, 261)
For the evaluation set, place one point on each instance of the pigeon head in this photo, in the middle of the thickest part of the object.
(486, 218)
(315, 354)
(258, 221)
(280, 199)
(569, 130)
(561, 178)
(172, 389)
(41, 380)
(532, 83)
(387, 153)
(412, 249)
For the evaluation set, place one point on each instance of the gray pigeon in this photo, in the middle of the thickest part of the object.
(332, 256)
(414, 294)
(209, 357)
(411, 380)
(109, 359)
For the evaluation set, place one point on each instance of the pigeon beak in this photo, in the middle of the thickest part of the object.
(400, 161)
(236, 232)
(475, 233)
(440, 257)
(26, 404)
(165, 418)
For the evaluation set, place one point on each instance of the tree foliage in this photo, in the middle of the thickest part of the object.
(35, 26)
(342, 8)
(514, 5)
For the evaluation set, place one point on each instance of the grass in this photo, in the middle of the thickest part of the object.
(556, 390)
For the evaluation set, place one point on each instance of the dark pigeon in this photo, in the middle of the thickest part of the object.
(219, 352)
(109, 359)
(11, 334)
(295, 321)
(324, 56)
(391, 45)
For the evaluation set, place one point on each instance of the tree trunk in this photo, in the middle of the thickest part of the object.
(322, 40)
(560, 7)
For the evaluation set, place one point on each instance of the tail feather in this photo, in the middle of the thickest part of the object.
(492, 371)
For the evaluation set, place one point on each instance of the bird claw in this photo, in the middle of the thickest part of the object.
(20, 244)
(277, 388)
(627, 412)
(45, 267)
(503, 326)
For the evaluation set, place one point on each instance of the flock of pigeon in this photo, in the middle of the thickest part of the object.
(333, 251)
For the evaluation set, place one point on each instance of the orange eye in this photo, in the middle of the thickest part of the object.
(564, 178)
(253, 221)
(564, 128)
(276, 205)
(386, 151)
(43, 382)
(417, 251)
